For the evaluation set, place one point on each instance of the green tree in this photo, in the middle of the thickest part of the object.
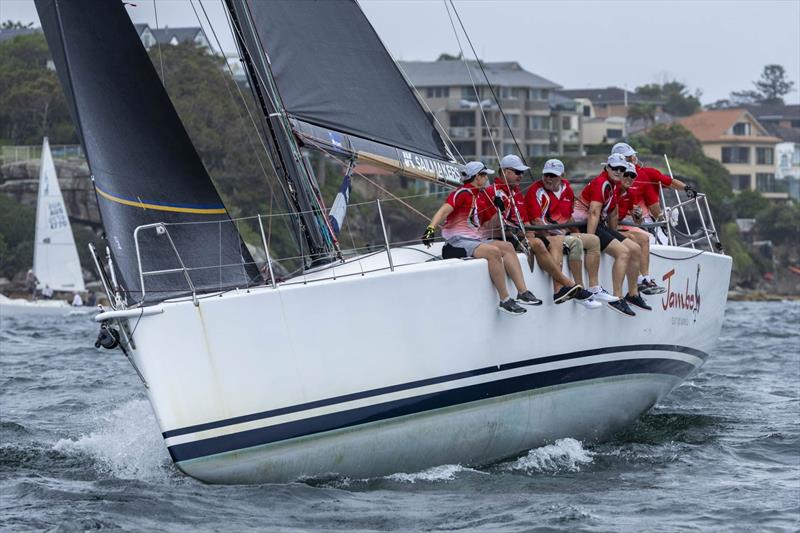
(780, 222)
(32, 103)
(17, 226)
(677, 99)
(645, 112)
(770, 88)
(749, 204)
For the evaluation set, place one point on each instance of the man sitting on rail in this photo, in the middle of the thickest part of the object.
(462, 230)
(630, 204)
(510, 201)
(551, 201)
(596, 205)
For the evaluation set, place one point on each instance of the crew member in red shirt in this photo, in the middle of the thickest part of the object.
(511, 202)
(550, 201)
(652, 178)
(462, 230)
(597, 208)
(630, 197)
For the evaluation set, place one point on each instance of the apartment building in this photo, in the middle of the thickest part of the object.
(740, 142)
(604, 112)
(539, 123)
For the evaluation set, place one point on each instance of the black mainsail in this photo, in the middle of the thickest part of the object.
(144, 166)
(339, 86)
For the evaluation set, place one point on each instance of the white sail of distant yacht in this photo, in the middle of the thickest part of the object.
(55, 257)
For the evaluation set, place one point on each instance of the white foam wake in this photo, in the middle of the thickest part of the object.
(436, 473)
(127, 443)
(564, 455)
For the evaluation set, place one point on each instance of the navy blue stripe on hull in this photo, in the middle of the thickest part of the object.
(432, 381)
(422, 403)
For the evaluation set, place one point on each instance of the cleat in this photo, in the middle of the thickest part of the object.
(528, 298)
(566, 293)
(621, 307)
(512, 308)
(638, 301)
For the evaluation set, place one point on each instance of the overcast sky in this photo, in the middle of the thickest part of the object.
(716, 46)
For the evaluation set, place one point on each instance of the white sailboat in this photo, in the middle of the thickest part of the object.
(249, 376)
(55, 256)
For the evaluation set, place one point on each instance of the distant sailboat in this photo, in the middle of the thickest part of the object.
(55, 256)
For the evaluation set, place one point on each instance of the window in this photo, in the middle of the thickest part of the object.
(796, 154)
(488, 149)
(466, 149)
(765, 182)
(741, 128)
(566, 123)
(469, 92)
(765, 156)
(437, 92)
(740, 182)
(513, 120)
(613, 133)
(735, 154)
(462, 118)
(587, 111)
(509, 148)
(538, 94)
(508, 93)
(538, 123)
(537, 150)
(795, 123)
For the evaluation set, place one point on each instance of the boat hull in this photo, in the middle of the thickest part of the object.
(10, 307)
(389, 371)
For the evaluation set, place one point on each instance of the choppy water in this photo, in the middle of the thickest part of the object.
(80, 449)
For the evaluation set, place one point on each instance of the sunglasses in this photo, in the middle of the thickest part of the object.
(517, 172)
(630, 175)
(551, 176)
(617, 169)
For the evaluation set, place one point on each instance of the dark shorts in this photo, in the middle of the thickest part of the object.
(606, 235)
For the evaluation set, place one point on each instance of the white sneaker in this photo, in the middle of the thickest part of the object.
(602, 295)
(589, 303)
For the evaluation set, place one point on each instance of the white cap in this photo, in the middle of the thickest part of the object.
(616, 160)
(624, 149)
(630, 167)
(553, 166)
(513, 161)
(472, 169)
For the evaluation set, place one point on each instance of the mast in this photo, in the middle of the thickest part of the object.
(301, 189)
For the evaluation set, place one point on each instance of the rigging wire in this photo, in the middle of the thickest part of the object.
(158, 44)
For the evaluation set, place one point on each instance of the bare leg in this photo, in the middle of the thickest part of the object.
(511, 264)
(620, 254)
(496, 270)
(556, 252)
(634, 254)
(545, 260)
(643, 240)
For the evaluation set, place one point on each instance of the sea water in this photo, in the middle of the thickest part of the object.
(80, 449)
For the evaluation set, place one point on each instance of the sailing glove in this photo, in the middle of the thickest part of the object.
(427, 237)
(498, 203)
(690, 191)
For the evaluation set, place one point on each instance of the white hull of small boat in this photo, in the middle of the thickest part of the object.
(17, 306)
(389, 371)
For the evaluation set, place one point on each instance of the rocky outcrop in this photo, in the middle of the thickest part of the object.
(20, 181)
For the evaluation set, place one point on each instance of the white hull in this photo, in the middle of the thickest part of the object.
(397, 371)
(17, 306)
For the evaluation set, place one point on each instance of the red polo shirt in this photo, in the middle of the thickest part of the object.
(601, 189)
(633, 196)
(464, 220)
(553, 207)
(501, 189)
(651, 177)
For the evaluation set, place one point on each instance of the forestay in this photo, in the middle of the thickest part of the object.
(144, 167)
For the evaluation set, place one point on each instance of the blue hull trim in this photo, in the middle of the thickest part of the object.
(437, 400)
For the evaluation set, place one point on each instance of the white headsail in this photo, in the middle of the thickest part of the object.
(55, 257)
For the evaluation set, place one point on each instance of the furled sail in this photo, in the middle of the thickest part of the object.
(143, 164)
(340, 86)
(55, 258)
